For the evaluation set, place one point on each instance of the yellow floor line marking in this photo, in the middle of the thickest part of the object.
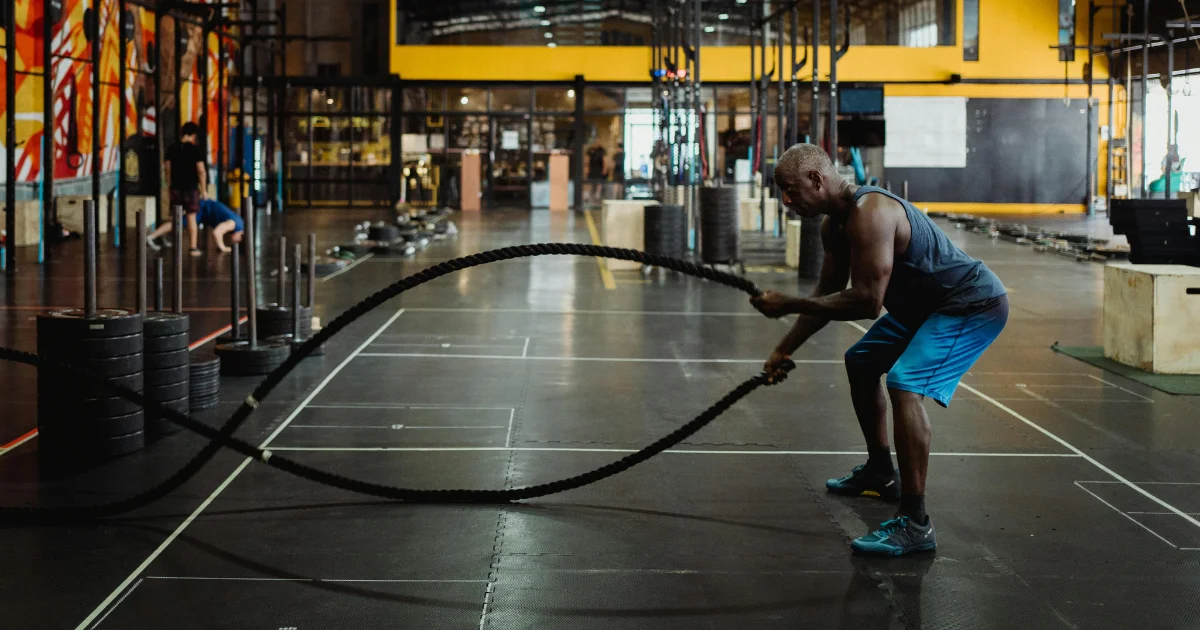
(605, 275)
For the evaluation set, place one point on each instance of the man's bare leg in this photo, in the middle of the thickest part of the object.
(219, 233)
(912, 450)
(193, 233)
(878, 477)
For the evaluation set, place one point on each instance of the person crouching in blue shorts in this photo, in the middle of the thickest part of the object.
(944, 309)
(214, 215)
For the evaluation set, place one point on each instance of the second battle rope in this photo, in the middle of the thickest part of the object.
(223, 437)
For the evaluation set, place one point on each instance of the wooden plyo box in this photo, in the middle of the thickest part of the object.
(1151, 314)
(621, 225)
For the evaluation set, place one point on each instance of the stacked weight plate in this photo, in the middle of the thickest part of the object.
(665, 231)
(239, 359)
(275, 320)
(383, 232)
(720, 232)
(204, 382)
(167, 359)
(78, 422)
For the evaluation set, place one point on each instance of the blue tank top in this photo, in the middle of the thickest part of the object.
(933, 275)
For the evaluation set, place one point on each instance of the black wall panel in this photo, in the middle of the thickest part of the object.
(1020, 150)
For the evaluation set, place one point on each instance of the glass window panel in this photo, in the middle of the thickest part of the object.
(372, 140)
(510, 99)
(604, 99)
(328, 99)
(468, 132)
(467, 99)
(554, 99)
(424, 99)
(298, 99)
(733, 99)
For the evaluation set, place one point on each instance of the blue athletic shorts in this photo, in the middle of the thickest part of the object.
(931, 358)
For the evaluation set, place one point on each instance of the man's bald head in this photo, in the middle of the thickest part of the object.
(808, 179)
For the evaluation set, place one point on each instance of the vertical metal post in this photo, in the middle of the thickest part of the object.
(158, 284)
(296, 294)
(701, 127)
(235, 290)
(47, 123)
(580, 126)
(781, 117)
(793, 88)
(1145, 85)
(1090, 197)
(141, 262)
(281, 278)
(248, 238)
(283, 109)
(178, 44)
(1112, 132)
(159, 121)
(833, 81)
(753, 90)
(205, 141)
(222, 119)
(179, 219)
(122, 132)
(815, 114)
(89, 258)
(312, 269)
(97, 164)
(10, 140)
(1167, 191)
(763, 114)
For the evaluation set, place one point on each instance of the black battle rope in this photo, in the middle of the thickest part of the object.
(223, 437)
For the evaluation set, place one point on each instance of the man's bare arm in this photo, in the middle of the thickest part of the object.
(871, 231)
(835, 274)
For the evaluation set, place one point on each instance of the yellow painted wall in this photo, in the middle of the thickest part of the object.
(1014, 43)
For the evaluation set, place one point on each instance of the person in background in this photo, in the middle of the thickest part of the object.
(216, 216)
(187, 175)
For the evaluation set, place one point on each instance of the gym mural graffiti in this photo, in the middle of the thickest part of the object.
(74, 26)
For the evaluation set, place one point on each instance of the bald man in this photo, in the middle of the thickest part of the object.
(944, 309)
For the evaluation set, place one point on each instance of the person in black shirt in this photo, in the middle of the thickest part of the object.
(618, 163)
(188, 176)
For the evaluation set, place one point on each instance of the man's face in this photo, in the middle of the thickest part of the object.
(805, 197)
(189, 138)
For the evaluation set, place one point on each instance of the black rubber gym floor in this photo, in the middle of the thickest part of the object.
(1064, 497)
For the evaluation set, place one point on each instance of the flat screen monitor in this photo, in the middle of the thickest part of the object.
(860, 101)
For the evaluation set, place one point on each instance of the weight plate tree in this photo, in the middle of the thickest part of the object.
(81, 424)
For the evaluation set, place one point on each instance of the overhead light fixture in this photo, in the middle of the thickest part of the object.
(723, 16)
(741, 1)
(710, 29)
(329, 101)
(570, 93)
(548, 35)
(545, 22)
(463, 100)
(539, 9)
(552, 45)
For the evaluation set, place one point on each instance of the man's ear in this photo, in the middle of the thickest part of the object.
(815, 177)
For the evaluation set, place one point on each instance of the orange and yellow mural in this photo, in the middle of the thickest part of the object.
(74, 29)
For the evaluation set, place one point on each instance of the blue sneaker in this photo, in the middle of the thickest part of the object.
(866, 483)
(897, 537)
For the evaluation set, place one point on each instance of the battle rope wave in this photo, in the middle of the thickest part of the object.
(223, 437)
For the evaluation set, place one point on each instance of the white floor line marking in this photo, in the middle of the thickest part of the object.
(1161, 513)
(343, 270)
(170, 539)
(270, 579)
(858, 326)
(601, 359)
(443, 345)
(119, 601)
(512, 413)
(398, 427)
(453, 449)
(1151, 483)
(1041, 386)
(1128, 391)
(1110, 472)
(353, 405)
(237, 471)
(1139, 523)
(525, 352)
(487, 602)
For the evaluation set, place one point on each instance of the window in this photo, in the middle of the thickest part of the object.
(970, 30)
(919, 24)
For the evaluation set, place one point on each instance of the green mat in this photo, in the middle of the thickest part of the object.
(1184, 384)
